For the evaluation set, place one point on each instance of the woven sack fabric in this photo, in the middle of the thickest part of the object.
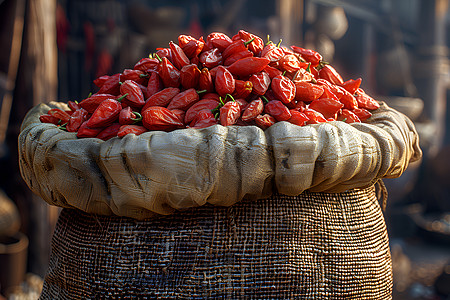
(312, 246)
(161, 172)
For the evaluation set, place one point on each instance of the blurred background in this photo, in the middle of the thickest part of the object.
(53, 50)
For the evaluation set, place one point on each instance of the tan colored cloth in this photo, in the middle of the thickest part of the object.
(159, 172)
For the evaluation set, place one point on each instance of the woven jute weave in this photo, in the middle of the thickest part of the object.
(311, 246)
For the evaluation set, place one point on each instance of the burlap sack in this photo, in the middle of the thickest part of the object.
(311, 246)
(158, 172)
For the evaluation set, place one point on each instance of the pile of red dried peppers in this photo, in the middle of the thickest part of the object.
(218, 80)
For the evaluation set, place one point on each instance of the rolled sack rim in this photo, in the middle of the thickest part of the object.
(288, 158)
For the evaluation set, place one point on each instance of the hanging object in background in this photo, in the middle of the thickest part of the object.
(331, 21)
(89, 38)
(327, 24)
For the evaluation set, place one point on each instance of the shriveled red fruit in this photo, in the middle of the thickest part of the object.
(161, 118)
(314, 117)
(327, 107)
(331, 75)
(161, 98)
(283, 88)
(365, 101)
(131, 129)
(253, 109)
(184, 99)
(224, 81)
(307, 91)
(277, 110)
(362, 113)
(265, 121)
(348, 117)
(242, 89)
(230, 113)
(189, 76)
(197, 107)
(248, 66)
(260, 82)
(298, 118)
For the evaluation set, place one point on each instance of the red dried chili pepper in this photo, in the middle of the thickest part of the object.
(131, 129)
(205, 81)
(242, 104)
(179, 58)
(290, 63)
(303, 75)
(256, 44)
(170, 75)
(309, 55)
(348, 117)
(230, 113)
(272, 52)
(87, 132)
(154, 84)
(277, 110)
(307, 91)
(210, 58)
(297, 105)
(237, 56)
(242, 89)
(248, 66)
(272, 72)
(218, 40)
(164, 52)
(73, 105)
(265, 121)
(362, 113)
(46, 118)
(184, 99)
(351, 85)
(260, 82)
(327, 93)
(161, 98)
(128, 117)
(100, 81)
(224, 81)
(135, 95)
(106, 113)
(327, 107)
(189, 76)
(76, 119)
(111, 85)
(213, 96)
(235, 47)
(253, 109)
(203, 119)
(109, 132)
(91, 103)
(348, 99)
(330, 74)
(298, 118)
(147, 64)
(179, 113)
(197, 107)
(190, 45)
(137, 76)
(314, 117)
(60, 114)
(338, 92)
(365, 101)
(283, 88)
(161, 118)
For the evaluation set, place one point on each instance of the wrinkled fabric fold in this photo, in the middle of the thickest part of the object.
(161, 172)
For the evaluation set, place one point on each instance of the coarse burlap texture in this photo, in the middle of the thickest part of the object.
(311, 246)
(160, 172)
